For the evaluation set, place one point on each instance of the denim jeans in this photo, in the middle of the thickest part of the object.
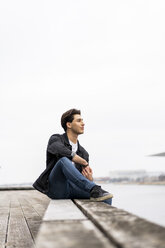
(66, 182)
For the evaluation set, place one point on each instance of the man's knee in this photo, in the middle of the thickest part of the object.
(63, 162)
(63, 159)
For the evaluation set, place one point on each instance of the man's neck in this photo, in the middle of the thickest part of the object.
(72, 137)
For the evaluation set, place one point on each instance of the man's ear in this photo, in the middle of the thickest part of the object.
(68, 124)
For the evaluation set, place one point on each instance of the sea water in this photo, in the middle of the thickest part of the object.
(146, 201)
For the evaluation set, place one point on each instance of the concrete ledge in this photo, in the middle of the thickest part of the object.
(65, 226)
(122, 228)
(63, 210)
(82, 223)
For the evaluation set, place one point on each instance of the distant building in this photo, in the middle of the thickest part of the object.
(131, 174)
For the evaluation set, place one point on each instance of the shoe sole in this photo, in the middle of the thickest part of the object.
(102, 198)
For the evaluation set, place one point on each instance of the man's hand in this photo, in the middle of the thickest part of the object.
(87, 172)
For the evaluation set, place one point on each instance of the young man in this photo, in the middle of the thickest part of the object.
(68, 174)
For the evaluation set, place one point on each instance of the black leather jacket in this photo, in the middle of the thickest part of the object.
(58, 147)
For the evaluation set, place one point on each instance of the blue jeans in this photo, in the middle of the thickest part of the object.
(66, 182)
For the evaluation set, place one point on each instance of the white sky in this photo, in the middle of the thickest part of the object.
(106, 58)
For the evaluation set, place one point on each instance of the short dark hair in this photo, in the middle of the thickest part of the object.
(68, 116)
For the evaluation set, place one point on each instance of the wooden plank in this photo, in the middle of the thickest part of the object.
(71, 234)
(18, 232)
(63, 210)
(4, 215)
(39, 202)
(38, 197)
(33, 214)
(24, 221)
(33, 205)
(4, 200)
(33, 219)
(122, 228)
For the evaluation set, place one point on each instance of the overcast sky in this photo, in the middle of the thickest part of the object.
(106, 58)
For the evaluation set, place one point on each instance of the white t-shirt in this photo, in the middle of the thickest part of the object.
(74, 147)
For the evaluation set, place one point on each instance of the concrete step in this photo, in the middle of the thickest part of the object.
(82, 223)
(65, 226)
(122, 228)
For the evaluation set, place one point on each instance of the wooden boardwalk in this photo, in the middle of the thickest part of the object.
(30, 219)
(21, 213)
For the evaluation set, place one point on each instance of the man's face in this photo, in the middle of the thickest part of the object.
(77, 125)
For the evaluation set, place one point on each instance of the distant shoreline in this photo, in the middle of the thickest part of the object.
(16, 186)
(132, 183)
(30, 187)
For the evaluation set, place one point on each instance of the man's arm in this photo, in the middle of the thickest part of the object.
(86, 170)
(77, 159)
(57, 148)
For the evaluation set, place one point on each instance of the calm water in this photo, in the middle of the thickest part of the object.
(143, 200)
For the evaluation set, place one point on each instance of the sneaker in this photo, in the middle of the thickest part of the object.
(98, 194)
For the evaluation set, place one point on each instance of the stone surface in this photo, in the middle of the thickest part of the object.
(71, 234)
(63, 210)
(122, 228)
(64, 225)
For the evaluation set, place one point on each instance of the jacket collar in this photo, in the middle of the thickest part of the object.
(66, 140)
